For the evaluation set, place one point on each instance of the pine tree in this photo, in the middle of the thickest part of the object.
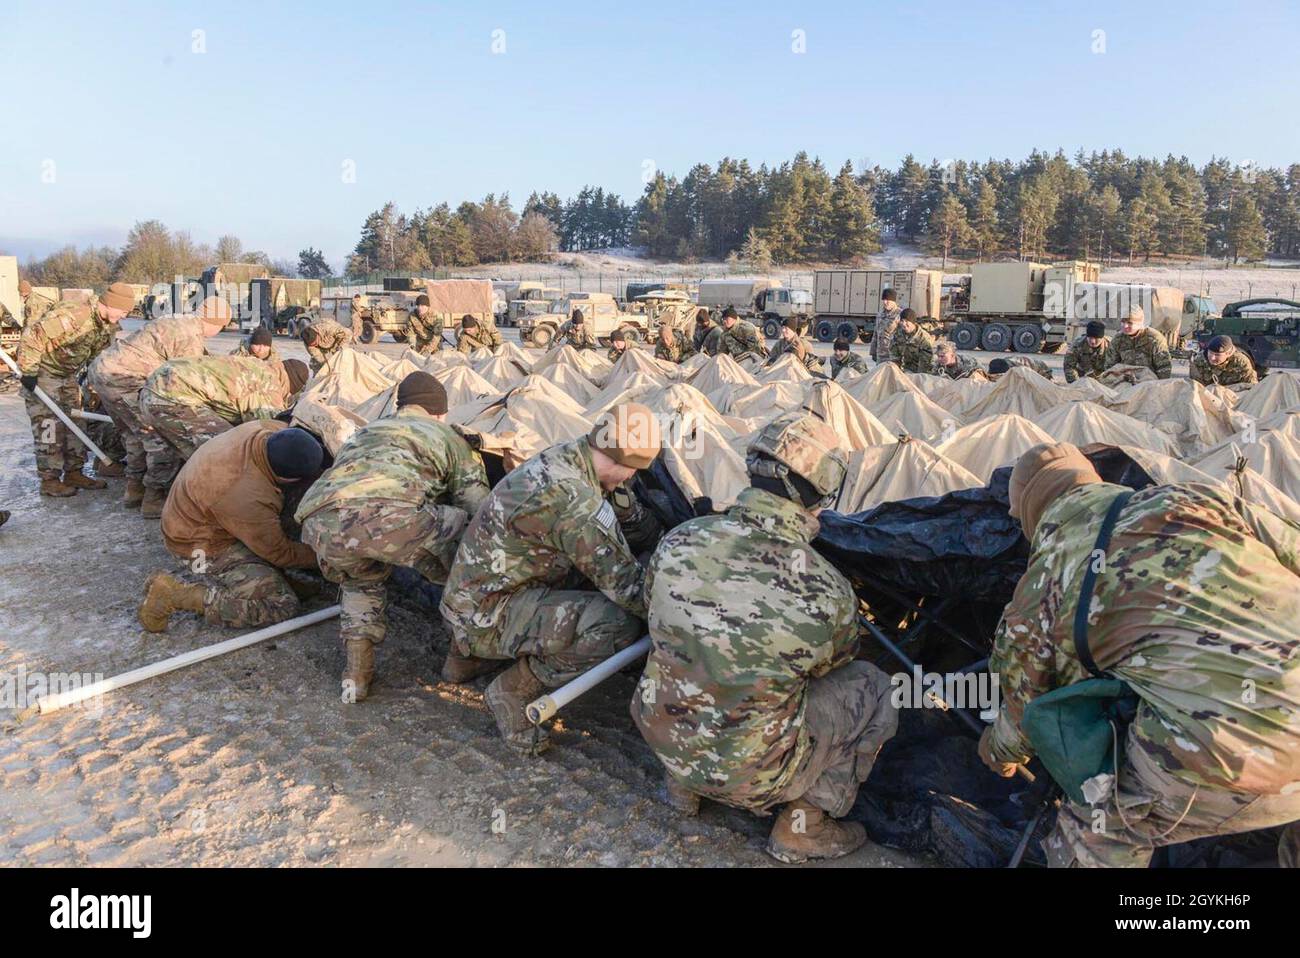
(948, 227)
(1247, 238)
(852, 227)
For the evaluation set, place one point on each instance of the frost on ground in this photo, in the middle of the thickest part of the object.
(250, 759)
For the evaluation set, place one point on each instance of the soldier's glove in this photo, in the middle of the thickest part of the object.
(29, 383)
(1005, 769)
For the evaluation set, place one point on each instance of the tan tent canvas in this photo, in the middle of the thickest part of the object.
(720, 371)
(985, 446)
(758, 402)
(1246, 483)
(571, 382)
(1018, 392)
(881, 383)
(853, 423)
(464, 385)
(460, 297)
(897, 471)
(504, 372)
(1196, 418)
(786, 369)
(1273, 394)
(914, 414)
(1083, 423)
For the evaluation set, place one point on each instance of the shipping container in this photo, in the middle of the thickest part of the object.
(846, 301)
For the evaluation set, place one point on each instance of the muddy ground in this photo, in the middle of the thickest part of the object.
(251, 759)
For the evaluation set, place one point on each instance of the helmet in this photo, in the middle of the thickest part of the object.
(802, 444)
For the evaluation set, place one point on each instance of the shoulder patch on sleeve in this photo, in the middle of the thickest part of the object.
(605, 515)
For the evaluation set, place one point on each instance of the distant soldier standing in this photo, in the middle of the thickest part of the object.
(575, 333)
(886, 323)
(671, 345)
(545, 576)
(1086, 356)
(735, 337)
(424, 327)
(1194, 609)
(912, 347)
(51, 352)
(323, 339)
(476, 335)
(1223, 364)
(793, 343)
(400, 493)
(119, 373)
(1139, 345)
(358, 314)
(751, 695)
(949, 362)
(843, 357)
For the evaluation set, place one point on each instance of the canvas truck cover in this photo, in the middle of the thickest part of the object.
(242, 273)
(460, 297)
(9, 286)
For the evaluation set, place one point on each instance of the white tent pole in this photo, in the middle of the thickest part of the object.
(540, 709)
(54, 408)
(91, 416)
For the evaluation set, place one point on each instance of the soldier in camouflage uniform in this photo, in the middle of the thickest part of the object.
(475, 335)
(424, 328)
(1003, 364)
(751, 695)
(1086, 356)
(843, 357)
(357, 315)
(791, 342)
(1139, 345)
(51, 353)
(734, 338)
(260, 345)
(1195, 609)
(545, 576)
(222, 520)
(1223, 364)
(704, 325)
(911, 346)
(400, 493)
(886, 325)
(188, 401)
(617, 346)
(575, 333)
(34, 304)
(949, 362)
(671, 345)
(323, 339)
(119, 373)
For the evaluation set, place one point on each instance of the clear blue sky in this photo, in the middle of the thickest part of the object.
(250, 137)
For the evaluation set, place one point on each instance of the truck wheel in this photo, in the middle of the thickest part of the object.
(367, 332)
(825, 331)
(542, 336)
(847, 330)
(771, 327)
(995, 338)
(966, 336)
(1027, 339)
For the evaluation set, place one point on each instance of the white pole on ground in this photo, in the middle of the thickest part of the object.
(91, 416)
(540, 709)
(54, 408)
(52, 703)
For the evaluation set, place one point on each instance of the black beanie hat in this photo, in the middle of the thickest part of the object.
(421, 389)
(617, 336)
(841, 345)
(909, 314)
(298, 374)
(469, 322)
(294, 454)
(999, 366)
(261, 337)
(1096, 329)
(791, 324)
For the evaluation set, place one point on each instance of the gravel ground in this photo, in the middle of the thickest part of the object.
(250, 759)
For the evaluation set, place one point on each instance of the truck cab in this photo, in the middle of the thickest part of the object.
(599, 310)
(779, 304)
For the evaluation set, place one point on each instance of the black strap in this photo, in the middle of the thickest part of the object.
(1089, 583)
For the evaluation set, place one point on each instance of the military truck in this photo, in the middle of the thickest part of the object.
(847, 301)
(451, 299)
(283, 305)
(780, 303)
(744, 295)
(1267, 329)
(600, 310)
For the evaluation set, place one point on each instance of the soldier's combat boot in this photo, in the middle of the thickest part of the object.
(57, 488)
(79, 480)
(506, 698)
(459, 669)
(359, 671)
(114, 470)
(165, 594)
(134, 494)
(803, 832)
(682, 798)
(151, 507)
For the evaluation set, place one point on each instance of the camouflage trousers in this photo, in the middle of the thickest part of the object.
(564, 632)
(359, 543)
(149, 457)
(57, 449)
(1153, 809)
(849, 717)
(184, 428)
(245, 591)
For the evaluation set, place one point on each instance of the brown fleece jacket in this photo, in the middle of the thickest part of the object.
(227, 493)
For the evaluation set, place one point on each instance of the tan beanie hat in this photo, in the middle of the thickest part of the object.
(24, 288)
(118, 296)
(214, 310)
(1041, 476)
(628, 434)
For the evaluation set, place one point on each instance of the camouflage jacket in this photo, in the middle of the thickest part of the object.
(701, 335)
(132, 358)
(243, 350)
(1237, 368)
(482, 337)
(1195, 607)
(579, 337)
(742, 338)
(547, 524)
(35, 307)
(743, 612)
(426, 330)
(1083, 359)
(1146, 347)
(677, 351)
(800, 348)
(851, 361)
(915, 353)
(331, 337)
(614, 355)
(963, 368)
(883, 337)
(406, 457)
(62, 341)
(236, 388)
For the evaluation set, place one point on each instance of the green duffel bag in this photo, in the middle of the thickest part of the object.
(1077, 731)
